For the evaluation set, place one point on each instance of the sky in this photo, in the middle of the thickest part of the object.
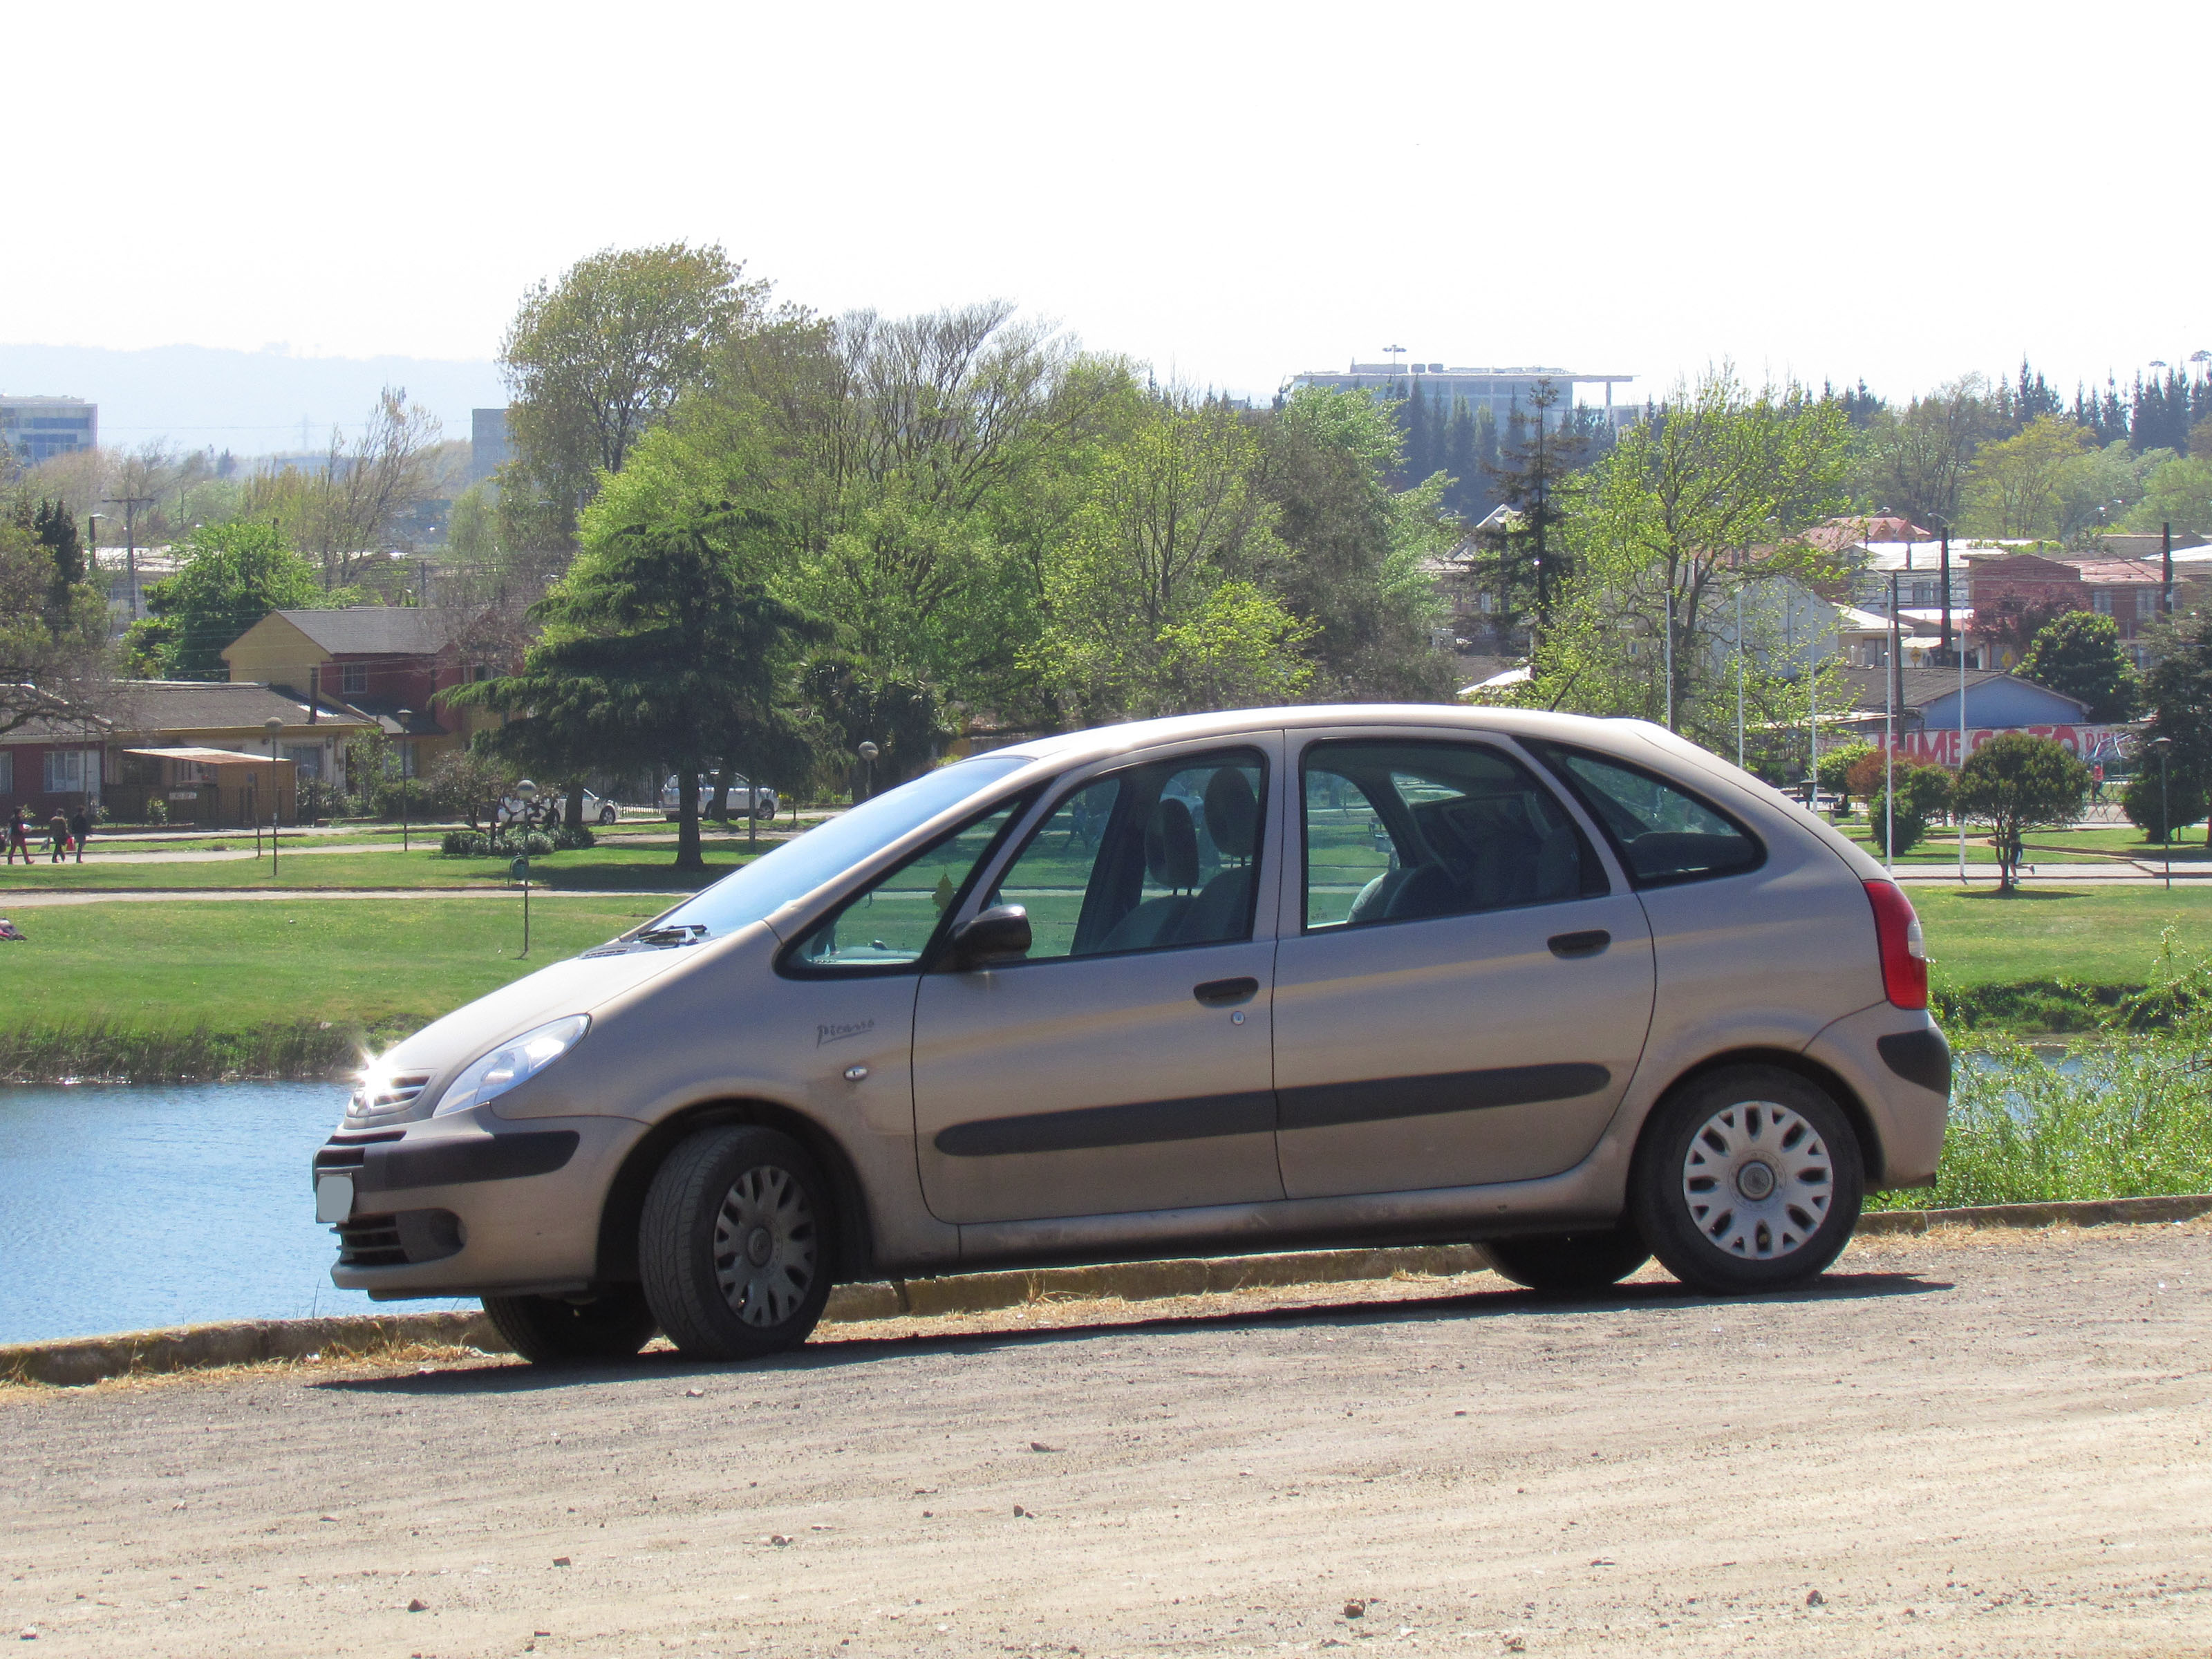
(1228, 193)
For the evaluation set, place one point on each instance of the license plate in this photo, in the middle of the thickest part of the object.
(333, 1197)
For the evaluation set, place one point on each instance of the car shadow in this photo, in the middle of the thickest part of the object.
(830, 1352)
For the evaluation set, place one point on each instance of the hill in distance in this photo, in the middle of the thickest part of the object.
(250, 403)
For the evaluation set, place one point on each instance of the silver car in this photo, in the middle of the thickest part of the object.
(1573, 988)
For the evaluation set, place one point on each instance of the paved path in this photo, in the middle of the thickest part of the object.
(1961, 1445)
(34, 901)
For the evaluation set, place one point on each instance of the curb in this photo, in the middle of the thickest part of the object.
(76, 1361)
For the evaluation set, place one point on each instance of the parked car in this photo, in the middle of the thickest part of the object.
(762, 801)
(1574, 989)
(550, 806)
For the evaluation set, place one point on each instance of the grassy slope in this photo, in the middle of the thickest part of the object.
(2096, 935)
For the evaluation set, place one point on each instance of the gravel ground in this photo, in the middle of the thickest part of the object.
(1965, 1443)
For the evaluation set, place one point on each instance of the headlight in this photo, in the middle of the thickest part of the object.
(508, 1064)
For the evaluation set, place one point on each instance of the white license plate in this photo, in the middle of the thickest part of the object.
(333, 1197)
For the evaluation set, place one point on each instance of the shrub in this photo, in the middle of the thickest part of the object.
(1838, 772)
(157, 810)
(511, 842)
(2147, 804)
(1922, 792)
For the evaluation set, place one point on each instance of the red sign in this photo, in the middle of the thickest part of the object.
(1938, 745)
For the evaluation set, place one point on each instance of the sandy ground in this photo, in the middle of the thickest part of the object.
(1969, 1444)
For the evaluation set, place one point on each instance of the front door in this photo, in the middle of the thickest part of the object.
(1468, 990)
(1124, 1065)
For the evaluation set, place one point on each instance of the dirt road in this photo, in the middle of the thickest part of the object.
(1966, 1445)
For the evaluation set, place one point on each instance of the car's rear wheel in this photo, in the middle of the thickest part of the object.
(1748, 1179)
(613, 1324)
(734, 1244)
(1569, 1264)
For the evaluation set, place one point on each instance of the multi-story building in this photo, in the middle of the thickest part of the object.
(36, 430)
(1503, 392)
(488, 445)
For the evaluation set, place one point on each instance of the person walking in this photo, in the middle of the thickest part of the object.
(19, 835)
(81, 829)
(57, 835)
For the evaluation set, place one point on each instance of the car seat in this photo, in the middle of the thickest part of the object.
(1170, 861)
(1223, 908)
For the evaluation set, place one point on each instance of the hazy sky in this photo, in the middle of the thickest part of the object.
(1230, 193)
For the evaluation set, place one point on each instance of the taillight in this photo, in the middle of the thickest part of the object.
(1903, 950)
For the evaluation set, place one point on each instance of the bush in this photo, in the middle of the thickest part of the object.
(1837, 769)
(512, 842)
(2146, 803)
(1922, 792)
(157, 810)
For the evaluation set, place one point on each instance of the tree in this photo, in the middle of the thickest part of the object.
(2158, 803)
(1355, 566)
(1171, 514)
(1919, 792)
(2179, 690)
(594, 360)
(2016, 782)
(2078, 655)
(229, 577)
(1915, 463)
(2176, 492)
(1522, 563)
(661, 642)
(2016, 487)
(469, 784)
(343, 511)
(1704, 499)
(54, 622)
(1848, 769)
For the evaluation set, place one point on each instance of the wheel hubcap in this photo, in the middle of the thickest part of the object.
(1756, 1180)
(764, 1246)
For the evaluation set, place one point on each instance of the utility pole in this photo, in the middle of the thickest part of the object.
(1892, 680)
(130, 504)
(2166, 603)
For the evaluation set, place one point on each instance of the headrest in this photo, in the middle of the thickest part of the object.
(1232, 812)
(1171, 846)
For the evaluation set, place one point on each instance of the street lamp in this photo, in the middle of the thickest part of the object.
(528, 793)
(868, 753)
(406, 751)
(2164, 747)
(272, 725)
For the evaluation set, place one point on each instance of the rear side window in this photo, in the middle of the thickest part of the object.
(1664, 833)
(1406, 831)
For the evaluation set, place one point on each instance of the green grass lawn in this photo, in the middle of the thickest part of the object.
(368, 962)
(2045, 846)
(2094, 935)
(648, 869)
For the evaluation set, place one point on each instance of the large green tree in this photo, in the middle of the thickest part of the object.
(594, 360)
(2079, 655)
(229, 576)
(2179, 690)
(663, 642)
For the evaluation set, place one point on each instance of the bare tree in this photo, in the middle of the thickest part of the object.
(1917, 462)
(343, 511)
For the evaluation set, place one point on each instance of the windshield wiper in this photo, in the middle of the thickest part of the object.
(682, 933)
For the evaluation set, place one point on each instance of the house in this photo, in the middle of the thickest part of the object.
(389, 662)
(52, 763)
(1928, 714)
(150, 724)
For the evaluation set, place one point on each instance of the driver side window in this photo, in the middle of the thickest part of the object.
(887, 927)
(1145, 859)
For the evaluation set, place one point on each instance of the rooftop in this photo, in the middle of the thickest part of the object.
(1919, 687)
(358, 630)
(214, 705)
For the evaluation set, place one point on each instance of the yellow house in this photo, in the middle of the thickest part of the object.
(388, 662)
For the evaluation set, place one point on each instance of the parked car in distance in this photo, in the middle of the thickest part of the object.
(550, 806)
(744, 796)
(1575, 990)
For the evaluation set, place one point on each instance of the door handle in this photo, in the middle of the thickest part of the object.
(1589, 944)
(1220, 992)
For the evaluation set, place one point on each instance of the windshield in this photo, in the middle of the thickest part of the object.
(797, 867)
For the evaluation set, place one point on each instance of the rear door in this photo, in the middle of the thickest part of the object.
(1125, 1066)
(1466, 985)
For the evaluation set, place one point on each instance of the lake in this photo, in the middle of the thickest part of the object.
(122, 1208)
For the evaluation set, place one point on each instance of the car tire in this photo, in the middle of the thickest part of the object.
(1569, 1264)
(734, 1244)
(1748, 1179)
(553, 1330)
(608, 815)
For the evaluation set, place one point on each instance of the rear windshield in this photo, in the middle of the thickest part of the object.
(797, 867)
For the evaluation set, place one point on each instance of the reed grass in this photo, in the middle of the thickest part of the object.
(96, 1051)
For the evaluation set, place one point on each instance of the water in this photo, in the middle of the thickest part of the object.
(122, 1208)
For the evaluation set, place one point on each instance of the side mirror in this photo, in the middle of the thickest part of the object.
(1000, 933)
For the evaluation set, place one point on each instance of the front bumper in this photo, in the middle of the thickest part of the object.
(456, 1206)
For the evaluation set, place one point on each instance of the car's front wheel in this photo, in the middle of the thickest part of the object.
(551, 1330)
(607, 813)
(1748, 1179)
(734, 1244)
(1569, 1264)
